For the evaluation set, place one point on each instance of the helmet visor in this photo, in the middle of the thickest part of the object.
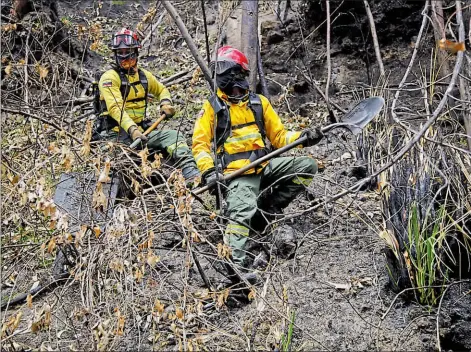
(221, 67)
(124, 40)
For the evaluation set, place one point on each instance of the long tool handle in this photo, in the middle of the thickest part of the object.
(149, 130)
(255, 163)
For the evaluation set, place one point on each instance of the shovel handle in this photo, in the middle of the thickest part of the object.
(149, 130)
(254, 164)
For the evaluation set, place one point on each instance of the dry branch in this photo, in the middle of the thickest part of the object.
(191, 44)
(375, 38)
(412, 60)
(47, 122)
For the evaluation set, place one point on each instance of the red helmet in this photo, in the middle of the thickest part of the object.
(124, 39)
(229, 57)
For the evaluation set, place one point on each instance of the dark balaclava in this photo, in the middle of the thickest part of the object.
(231, 79)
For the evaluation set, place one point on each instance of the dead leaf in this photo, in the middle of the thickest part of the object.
(224, 251)
(120, 326)
(97, 231)
(8, 69)
(104, 176)
(252, 294)
(179, 314)
(391, 241)
(222, 298)
(52, 245)
(42, 71)
(152, 259)
(138, 275)
(29, 301)
(159, 307)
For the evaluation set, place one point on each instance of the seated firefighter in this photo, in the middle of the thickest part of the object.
(124, 93)
(242, 121)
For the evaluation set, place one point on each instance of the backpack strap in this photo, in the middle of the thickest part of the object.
(223, 124)
(145, 84)
(126, 86)
(255, 104)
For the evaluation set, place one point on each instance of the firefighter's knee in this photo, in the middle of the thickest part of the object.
(306, 165)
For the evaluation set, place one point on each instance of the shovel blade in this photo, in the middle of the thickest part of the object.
(363, 113)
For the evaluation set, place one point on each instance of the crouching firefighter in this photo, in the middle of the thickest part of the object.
(123, 98)
(242, 122)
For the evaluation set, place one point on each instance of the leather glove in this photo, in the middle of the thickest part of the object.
(167, 108)
(313, 136)
(210, 177)
(134, 133)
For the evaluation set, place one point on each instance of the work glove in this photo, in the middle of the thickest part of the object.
(314, 136)
(134, 133)
(167, 109)
(210, 177)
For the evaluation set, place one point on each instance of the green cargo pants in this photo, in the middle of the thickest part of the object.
(288, 176)
(169, 142)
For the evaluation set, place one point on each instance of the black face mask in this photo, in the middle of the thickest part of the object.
(229, 80)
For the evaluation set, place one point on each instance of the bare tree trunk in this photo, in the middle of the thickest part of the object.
(249, 37)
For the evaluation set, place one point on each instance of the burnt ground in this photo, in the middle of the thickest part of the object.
(335, 281)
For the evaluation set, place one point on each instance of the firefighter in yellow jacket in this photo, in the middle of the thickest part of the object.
(123, 98)
(238, 122)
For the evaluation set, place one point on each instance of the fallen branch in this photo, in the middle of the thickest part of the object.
(47, 122)
(189, 41)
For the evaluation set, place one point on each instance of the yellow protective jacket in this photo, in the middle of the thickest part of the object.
(245, 139)
(110, 84)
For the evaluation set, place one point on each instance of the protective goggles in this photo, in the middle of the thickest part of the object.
(124, 40)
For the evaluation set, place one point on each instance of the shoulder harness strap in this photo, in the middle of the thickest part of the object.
(255, 104)
(126, 86)
(223, 123)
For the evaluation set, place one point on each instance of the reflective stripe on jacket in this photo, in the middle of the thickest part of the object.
(244, 139)
(110, 84)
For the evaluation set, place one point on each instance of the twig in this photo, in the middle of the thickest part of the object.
(375, 38)
(48, 122)
(152, 29)
(464, 86)
(412, 60)
(177, 75)
(206, 38)
(329, 64)
(189, 41)
(404, 150)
